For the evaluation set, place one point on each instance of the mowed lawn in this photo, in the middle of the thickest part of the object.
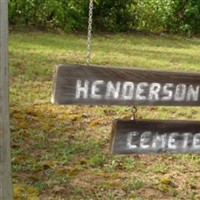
(62, 152)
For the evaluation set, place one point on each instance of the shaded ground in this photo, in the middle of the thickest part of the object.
(64, 152)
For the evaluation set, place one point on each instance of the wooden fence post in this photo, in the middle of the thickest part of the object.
(5, 161)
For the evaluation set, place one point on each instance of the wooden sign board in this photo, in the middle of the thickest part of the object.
(78, 84)
(147, 136)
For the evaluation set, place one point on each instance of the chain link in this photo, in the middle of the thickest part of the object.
(88, 57)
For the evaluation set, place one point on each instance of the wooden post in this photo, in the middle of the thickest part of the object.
(5, 161)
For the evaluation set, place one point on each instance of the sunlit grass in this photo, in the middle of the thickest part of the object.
(33, 55)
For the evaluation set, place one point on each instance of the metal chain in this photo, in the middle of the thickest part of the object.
(88, 57)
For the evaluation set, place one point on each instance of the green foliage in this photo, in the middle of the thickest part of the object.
(187, 16)
(113, 15)
(66, 15)
(176, 16)
(71, 15)
(153, 15)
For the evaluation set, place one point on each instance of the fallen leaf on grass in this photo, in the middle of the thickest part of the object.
(165, 184)
(165, 180)
(113, 183)
(68, 170)
(48, 164)
(132, 196)
(58, 189)
(73, 117)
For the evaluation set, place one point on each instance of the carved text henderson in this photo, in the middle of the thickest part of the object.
(142, 91)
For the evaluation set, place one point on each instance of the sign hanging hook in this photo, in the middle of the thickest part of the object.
(134, 112)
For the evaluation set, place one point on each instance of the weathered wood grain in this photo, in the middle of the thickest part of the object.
(78, 84)
(155, 136)
(5, 161)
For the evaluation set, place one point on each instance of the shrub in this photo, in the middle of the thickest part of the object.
(176, 16)
(112, 15)
(45, 14)
(186, 16)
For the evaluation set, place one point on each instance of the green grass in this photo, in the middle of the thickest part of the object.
(62, 152)
(33, 55)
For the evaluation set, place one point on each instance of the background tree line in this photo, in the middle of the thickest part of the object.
(172, 16)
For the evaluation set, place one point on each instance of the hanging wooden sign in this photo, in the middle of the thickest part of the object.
(148, 136)
(78, 84)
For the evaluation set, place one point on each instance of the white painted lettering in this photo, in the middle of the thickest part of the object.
(113, 91)
(167, 92)
(180, 92)
(196, 141)
(95, 89)
(159, 141)
(193, 93)
(154, 91)
(140, 91)
(130, 140)
(186, 137)
(172, 141)
(127, 90)
(145, 139)
(82, 90)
